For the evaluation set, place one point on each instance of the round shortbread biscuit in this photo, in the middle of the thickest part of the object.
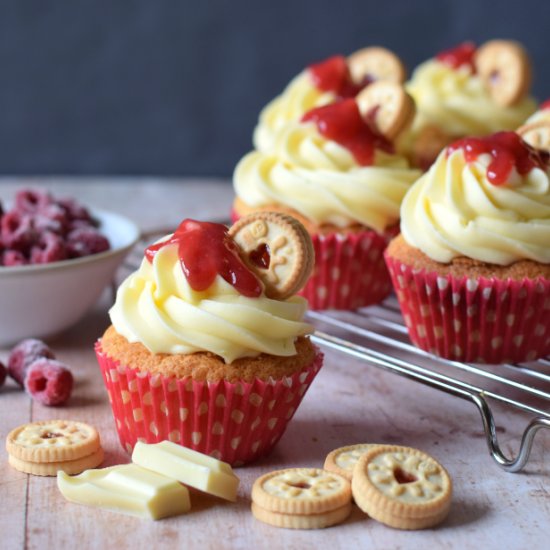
(376, 63)
(388, 106)
(505, 68)
(536, 134)
(302, 491)
(302, 521)
(402, 487)
(70, 467)
(52, 441)
(342, 461)
(278, 249)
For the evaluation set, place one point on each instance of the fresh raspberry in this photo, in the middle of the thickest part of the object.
(51, 218)
(28, 201)
(25, 353)
(49, 248)
(75, 211)
(83, 242)
(17, 231)
(49, 382)
(13, 258)
(3, 374)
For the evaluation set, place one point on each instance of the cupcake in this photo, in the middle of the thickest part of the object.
(208, 347)
(471, 267)
(337, 173)
(467, 91)
(536, 130)
(326, 82)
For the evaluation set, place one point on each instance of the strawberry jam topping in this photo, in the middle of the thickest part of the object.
(545, 105)
(332, 75)
(342, 122)
(507, 150)
(459, 56)
(206, 250)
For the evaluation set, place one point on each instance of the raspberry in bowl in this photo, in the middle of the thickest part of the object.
(56, 257)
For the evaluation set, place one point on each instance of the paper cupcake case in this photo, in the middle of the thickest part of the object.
(480, 320)
(234, 422)
(349, 271)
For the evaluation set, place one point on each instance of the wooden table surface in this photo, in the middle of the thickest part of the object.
(349, 402)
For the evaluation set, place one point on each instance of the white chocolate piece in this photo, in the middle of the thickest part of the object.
(190, 467)
(128, 489)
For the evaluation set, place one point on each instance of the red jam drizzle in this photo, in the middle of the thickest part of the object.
(205, 251)
(342, 122)
(459, 56)
(332, 75)
(508, 151)
(545, 105)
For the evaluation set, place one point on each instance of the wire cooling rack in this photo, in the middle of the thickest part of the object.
(377, 336)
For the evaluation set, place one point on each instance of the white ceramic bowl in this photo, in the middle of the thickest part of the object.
(37, 301)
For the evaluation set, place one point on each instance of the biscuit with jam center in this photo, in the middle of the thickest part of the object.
(402, 487)
(70, 467)
(301, 498)
(505, 68)
(536, 134)
(52, 441)
(342, 461)
(376, 63)
(302, 521)
(388, 106)
(278, 249)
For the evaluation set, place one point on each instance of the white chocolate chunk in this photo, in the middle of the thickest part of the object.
(189, 467)
(128, 489)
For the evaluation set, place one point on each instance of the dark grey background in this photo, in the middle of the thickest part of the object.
(174, 87)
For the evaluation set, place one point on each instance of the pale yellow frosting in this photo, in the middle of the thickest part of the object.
(453, 210)
(157, 307)
(457, 102)
(299, 97)
(322, 180)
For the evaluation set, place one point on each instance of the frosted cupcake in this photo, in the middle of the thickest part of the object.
(337, 174)
(325, 82)
(199, 354)
(467, 91)
(471, 267)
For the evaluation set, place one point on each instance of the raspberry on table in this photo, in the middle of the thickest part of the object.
(49, 382)
(83, 242)
(49, 248)
(24, 354)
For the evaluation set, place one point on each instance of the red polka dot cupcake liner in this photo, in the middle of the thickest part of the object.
(234, 422)
(479, 320)
(349, 271)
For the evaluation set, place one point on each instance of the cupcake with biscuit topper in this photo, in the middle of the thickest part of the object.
(325, 82)
(208, 347)
(336, 171)
(467, 90)
(471, 267)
